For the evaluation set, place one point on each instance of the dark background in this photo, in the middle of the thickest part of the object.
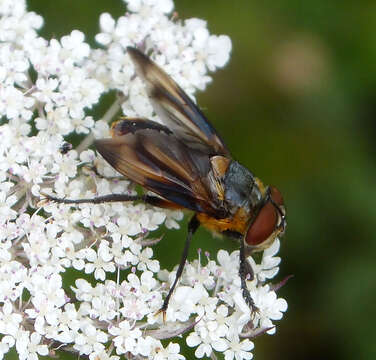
(296, 105)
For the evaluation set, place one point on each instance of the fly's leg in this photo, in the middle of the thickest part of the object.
(193, 225)
(248, 271)
(149, 199)
(245, 269)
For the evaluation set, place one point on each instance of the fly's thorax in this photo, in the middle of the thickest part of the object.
(242, 188)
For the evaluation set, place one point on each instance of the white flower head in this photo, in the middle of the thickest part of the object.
(49, 89)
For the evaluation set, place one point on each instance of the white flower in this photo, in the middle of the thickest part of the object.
(99, 262)
(125, 338)
(205, 304)
(268, 268)
(13, 276)
(242, 314)
(197, 274)
(107, 25)
(239, 350)
(65, 166)
(183, 303)
(13, 65)
(147, 345)
(104, 308)
(172, 218)
(6, 343)
(83, 290)
(6, 211)
(9, 320)
(206, 340)
(228, 268)
(271, 307)
(75, 44)
(146, 262)
(29, 346)
(171, 352)
(103, 355)
(13, 103)
(69, 324)
(48, 297)
(34, 172)
(163, 6)
(48, 90)
(90, 340)
(83, 125)
(94, 216)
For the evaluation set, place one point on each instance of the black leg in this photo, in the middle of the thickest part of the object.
(248, 271)
(149, 199)
(245, 269)
(193, 225)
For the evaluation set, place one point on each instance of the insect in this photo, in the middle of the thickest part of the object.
(65, 147)
(187, 164)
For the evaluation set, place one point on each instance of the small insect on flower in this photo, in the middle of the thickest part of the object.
(65, 147)
(189, 166)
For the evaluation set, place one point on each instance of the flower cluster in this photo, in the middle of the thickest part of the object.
(46, 88)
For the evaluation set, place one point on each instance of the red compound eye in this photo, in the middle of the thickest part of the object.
(276, 196)
(263, 226)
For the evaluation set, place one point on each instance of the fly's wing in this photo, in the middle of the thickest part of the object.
(128, 125)
(152, 156)
(176, 109)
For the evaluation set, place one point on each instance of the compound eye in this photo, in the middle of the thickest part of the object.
(276, 196)
(263, 226)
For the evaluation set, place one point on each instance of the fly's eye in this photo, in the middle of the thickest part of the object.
(276, 196)
(263, 226)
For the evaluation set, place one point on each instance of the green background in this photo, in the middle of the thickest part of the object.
(297, 106)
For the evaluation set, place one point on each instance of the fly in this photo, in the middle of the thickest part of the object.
(187, 164)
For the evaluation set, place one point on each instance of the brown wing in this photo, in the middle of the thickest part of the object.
(176, 109)
(159, 161)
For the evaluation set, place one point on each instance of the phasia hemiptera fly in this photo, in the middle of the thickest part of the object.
(187, 164)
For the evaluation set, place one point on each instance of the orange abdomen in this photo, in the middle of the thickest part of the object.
(238, 222)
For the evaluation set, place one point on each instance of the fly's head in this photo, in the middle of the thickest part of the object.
(268, 223)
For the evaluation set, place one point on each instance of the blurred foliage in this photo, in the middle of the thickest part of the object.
(296, 105)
